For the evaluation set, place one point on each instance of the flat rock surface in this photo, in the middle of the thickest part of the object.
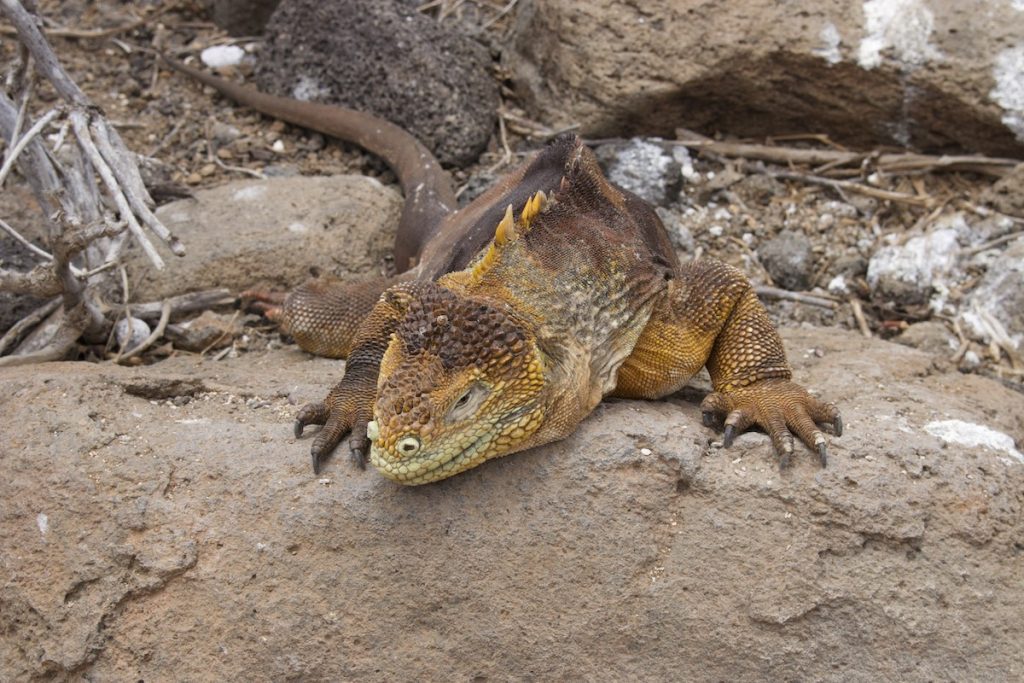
(163, 519)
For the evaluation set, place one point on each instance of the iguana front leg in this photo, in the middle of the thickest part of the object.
(349, 405)
(711, 316)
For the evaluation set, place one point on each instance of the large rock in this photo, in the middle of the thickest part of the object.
(789, 259)
(932, 74)
(162, 522)
(385, 58)
(910, 273)
(242, 17)
(272, 232)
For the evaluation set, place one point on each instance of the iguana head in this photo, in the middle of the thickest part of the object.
(460, 383)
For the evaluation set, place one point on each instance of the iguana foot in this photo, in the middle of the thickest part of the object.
(337, 422)
(781, 408)
(265, 302)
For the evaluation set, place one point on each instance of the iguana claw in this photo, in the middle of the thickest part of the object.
(782, 408)
(357, 445)
(730, 434)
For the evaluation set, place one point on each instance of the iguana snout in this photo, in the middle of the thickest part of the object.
(461, 382)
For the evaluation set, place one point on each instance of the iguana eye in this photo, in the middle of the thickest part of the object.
(468, 402)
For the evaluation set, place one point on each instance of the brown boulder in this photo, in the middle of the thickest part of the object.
(933, 75)
(162, 523)
(385, 58)
(272, 232)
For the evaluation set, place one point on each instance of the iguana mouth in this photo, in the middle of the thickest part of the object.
(428, 469)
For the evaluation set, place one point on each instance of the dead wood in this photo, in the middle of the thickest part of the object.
(84, 236)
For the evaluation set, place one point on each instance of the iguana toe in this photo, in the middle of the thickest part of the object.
(780, 407)
(311, 414)
(265, 302)
(357, 442)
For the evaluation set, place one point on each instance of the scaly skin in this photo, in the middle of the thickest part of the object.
(573, 300)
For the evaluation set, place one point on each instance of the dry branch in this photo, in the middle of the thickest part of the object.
(848, 185)
(158, 331)
(84, 236)
(27, 323)
(185, 304)
(766, 292)
(892, 164)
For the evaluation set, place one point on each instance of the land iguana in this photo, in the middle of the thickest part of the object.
(514, 316)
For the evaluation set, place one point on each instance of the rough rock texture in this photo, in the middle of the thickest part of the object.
(1007, 195)
(788, 259)
(242, 17)
(384, 57)
(18, 207)
(163, 519)
(930, 336)
(1000, 295)
(335, 224)
(678, 234)
(931, 74)
(644, 168)
(908, 273)
(206, 332)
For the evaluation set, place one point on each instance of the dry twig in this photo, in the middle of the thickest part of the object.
(158, 331)
(858, 314)
(184, 304)
(83, 235)
(800, 297)
(891, 164)
(859, 188)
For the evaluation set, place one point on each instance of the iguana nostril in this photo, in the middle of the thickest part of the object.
(409, 445)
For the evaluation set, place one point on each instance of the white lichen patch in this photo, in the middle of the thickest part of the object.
(903, 27)
(307, 89)
(1008, 73)
(220, 56)
(830, 50)
(43, 522)
(970, 434)
(250, 193)
(640, 168)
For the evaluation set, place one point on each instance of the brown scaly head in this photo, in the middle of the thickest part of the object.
(461, 382)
